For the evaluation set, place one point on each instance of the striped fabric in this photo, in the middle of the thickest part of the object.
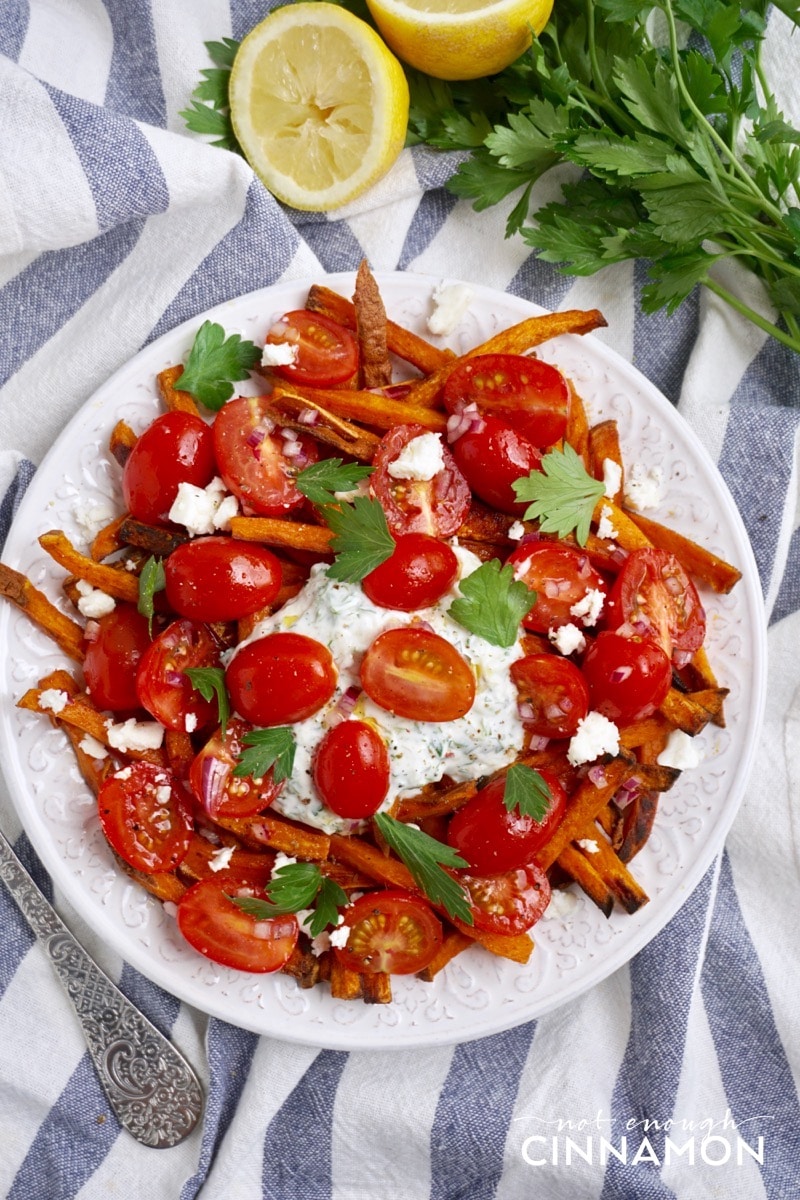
(115, 225)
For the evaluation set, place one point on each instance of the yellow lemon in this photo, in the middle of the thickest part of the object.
(459, 39)
(319, 105)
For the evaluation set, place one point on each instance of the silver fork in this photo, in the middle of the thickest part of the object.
(150, 1086)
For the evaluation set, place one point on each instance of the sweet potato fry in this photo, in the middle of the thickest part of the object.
(108, 540)
(637, 824)
(603, 443)
(274, 531)
(611, 870)
(578, 426)
(293, 413)
(345, 984)
(516, 947)
(696, 559)
(692, 711)
(180, 751)
(375, 369)
(484, 524)
(114, 582)
(580, 868)
(66, 633)
(453, 942)
(626, 533)
(256, 865)
(586, 802)
(303, 966)
(372, 408)
(163, 884)
(376, 988)
(121, 442)
(150, 538)
(173, 399)
(278, 833)
(80, 714)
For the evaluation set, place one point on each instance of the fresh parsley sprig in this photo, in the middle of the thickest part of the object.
(215, 361)
(425, 857)
(563, 495)
(266, 748)
(151, 580)
(210, 108)
(320, 481)
(526, 792)
(293, 888)
(492, 603)
(210, 683)
(362, 540)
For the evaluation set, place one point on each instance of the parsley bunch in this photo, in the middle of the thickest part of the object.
(686, 159)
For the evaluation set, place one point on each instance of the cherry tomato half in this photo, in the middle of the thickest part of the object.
(392, 931)
(211, 778)
(146, 816)
(258, 460)
(220, 579)
(436, 506)
(419, 572)
(281, 678)
(553, 694)
(508, 903)
(491, 456)
(177, 448)
(656, 598)
(628, 677)
(351, 769)
(161, 683)
(527, 393)
(415, 673)
(492, 839)
(560, 576)
(223, 932)
(327, 353)
(112, 656)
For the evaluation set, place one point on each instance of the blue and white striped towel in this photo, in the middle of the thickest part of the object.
(115, 225)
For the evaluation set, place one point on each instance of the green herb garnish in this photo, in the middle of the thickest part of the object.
(295, 887)
(210, 683)
(267, 748)
(492, 603)
(323, 479)
(151, 580)
(210, 111)
(526, 792)
(563, 494)
(425, 857)
(214, 363)
(362, 539)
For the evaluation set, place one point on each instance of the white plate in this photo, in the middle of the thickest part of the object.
(477, 994)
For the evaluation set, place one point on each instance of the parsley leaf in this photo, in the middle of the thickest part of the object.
(492, 603)
(563, 494)
(322, 479)
(209, 113)
(222, 53)
(330, 898)
(267, 748)
(527, 792)
(214, 362)
(210, 682)
(362, 540)
(424, 857)
(151, 580)
(293, 888)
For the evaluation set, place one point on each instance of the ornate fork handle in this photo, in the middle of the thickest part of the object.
(149, 1085)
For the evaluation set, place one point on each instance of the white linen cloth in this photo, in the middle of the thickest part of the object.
(115, 225)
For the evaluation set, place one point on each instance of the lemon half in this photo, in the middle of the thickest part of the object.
(319, 105)
(459, 39)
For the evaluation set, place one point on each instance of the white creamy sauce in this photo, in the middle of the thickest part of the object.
(340, 616)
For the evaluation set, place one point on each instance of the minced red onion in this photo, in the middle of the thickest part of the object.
(597, 774)
(529, 537)
(343, 708)
(626, 794)
(290, 435)
(255, 438)
(292, 449)
(213, 775)
(393, 391)
(682, 658)
(525, 710)
(174, 678)
(539, 743)
(553, 712)
(620, 674)
(308, 416)
(92, 631)
(673, 585)
(284, 332)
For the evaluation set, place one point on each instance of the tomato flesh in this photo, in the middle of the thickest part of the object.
(258, 460)
(435, 506)
(529, 394)
(162, 685)
(492, 839)
(508, 903)
(146, 816)
(220, 579)
(628, 677)
(392, 931)
(112, 657)
(217, 789)
(176, 448)
(560, 576)
(419, 572)
(491, 457)
(553, 694)
(281, 678)
(654, 597)
(220, 930)
(327, 353)
(351, 769)
(414, 673)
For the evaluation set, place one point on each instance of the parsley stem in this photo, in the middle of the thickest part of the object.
(751, 314)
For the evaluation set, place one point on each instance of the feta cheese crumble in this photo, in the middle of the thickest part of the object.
(589, 607)
(203, 510)
(421, 458)
(93, 603)
(605, 529)
(644, 488)
(589, 845)
(612, 477)
(135, 735)
(90, 745)
(681, 752)
(450, 302)
(221, 859)
(279, 354)
(567, 639)
(338, 937)
(53, 700)
(516, 532)
(596, 735)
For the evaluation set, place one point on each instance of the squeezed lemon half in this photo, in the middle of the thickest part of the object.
(459, 39)
(319, 105)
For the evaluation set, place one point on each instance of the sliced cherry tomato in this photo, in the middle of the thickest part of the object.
(527, 393)
(628, 677)
(492, 839)
(553, 694)
(161, 683)
(223, 932)
(211, 778)
(560, 576)
(436, 506)
(508, 903)
(327, 353)
(491, 456)
(392, 931)
(220, 579)
(419, 572)
(112, 656)
(177, 448)
(258, 460)
(146, 816)
(415, 673)
(351, 769)
(655, 597)
(281, 678)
